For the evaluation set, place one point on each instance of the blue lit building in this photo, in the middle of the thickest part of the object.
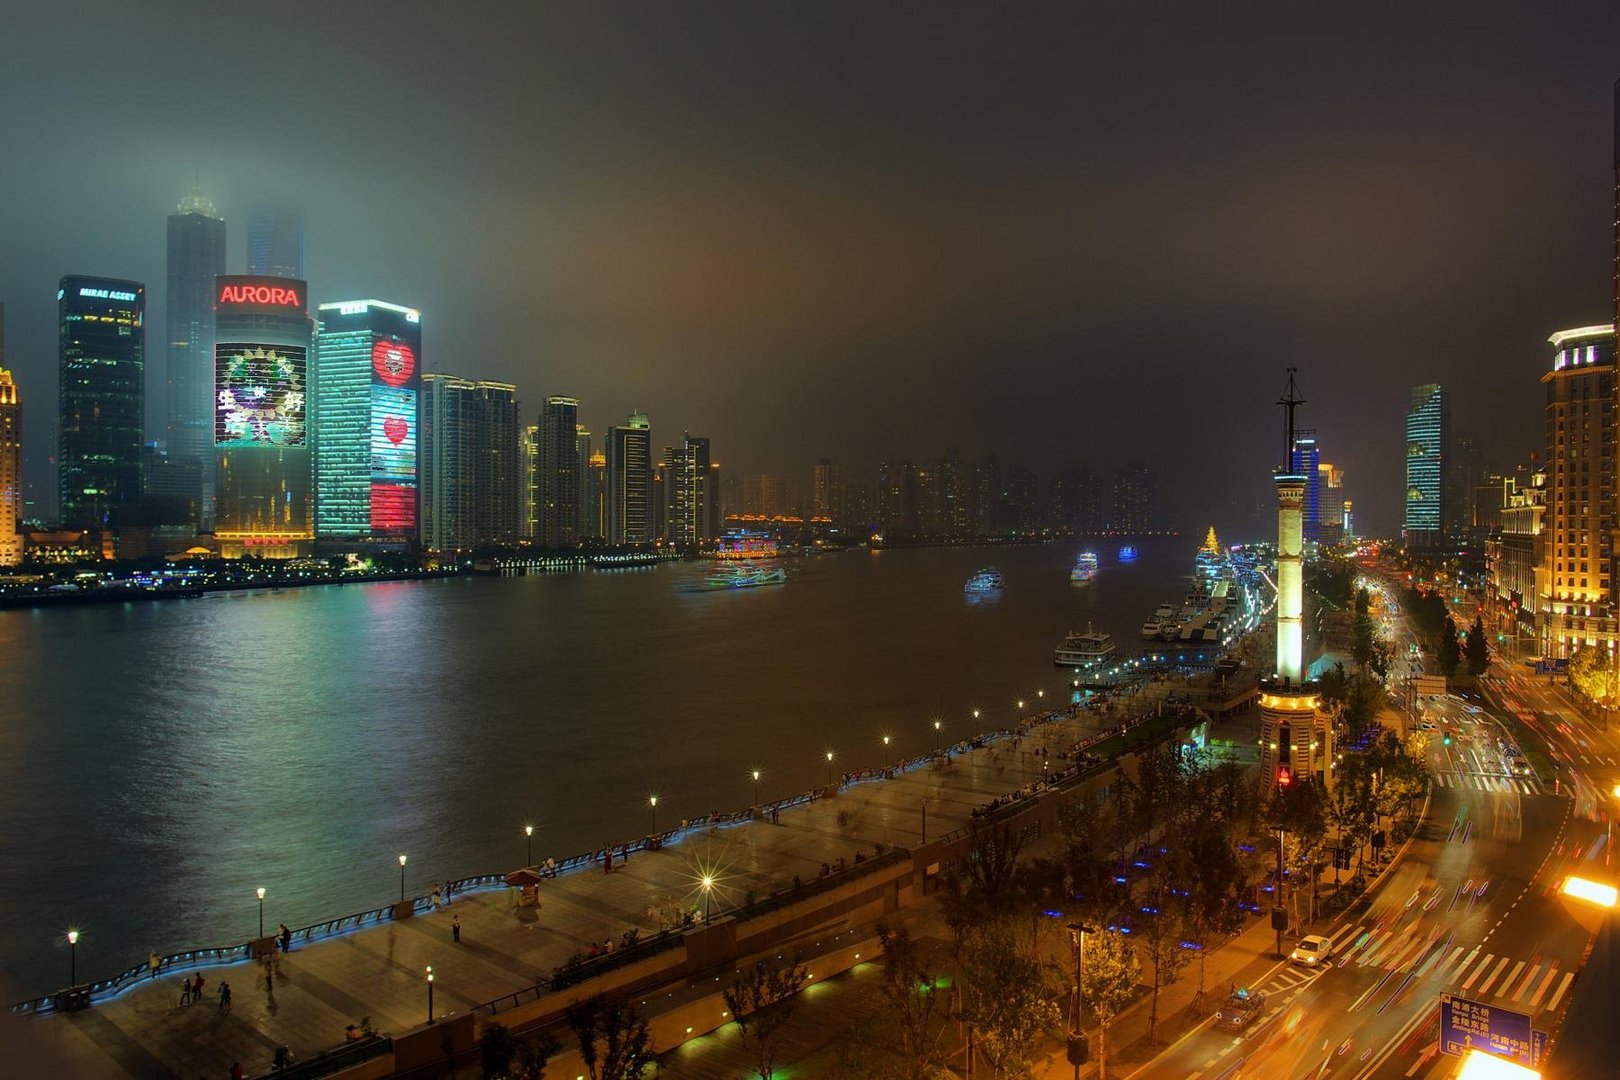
(196, 258)
(1305, 461)
(275, 243)
(102, 398)
(368, 378)
(1428, 433)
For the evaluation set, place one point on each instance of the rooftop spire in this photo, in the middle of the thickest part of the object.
(1289, 401)
(197, 203)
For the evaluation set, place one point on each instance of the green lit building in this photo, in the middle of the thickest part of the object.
(102, 402)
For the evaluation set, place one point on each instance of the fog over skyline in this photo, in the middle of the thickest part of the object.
(1065, 235)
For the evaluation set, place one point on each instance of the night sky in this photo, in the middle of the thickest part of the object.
(1067, 234)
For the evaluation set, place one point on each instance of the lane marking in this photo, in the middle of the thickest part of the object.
(1528, 979)
(1552, 973)
(1507, 982)
(1485, 987)
(1569, 977)
(1482, 964)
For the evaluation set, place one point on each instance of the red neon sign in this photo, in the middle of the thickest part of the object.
(274, 295)
(393, 361)
(393, 508)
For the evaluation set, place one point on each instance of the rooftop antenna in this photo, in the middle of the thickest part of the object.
(1290, 401)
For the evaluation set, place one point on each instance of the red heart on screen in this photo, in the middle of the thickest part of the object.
(396, 429)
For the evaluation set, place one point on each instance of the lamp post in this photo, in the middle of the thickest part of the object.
(829, 768)
(708, 889)
(528, 840)
(652, 808)
(430, 992)
(885, 749)
(936, 736)
(73, 957)
(1077, 938)
(261, 911)
(402, 879)
(756, 787)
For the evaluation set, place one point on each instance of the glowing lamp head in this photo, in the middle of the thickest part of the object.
(830, 755)
(402, 860)
(708, 882)
(528, 830)
(73, 937)
(756, 774)
(430, 973)
(652, 800)
(261, 892)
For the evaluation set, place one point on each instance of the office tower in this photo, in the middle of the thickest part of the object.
(276, 243)
(11, 482)
(102, 399)
(471, 470)
(196, 259)
(690, 494)
(264, 486)
(586, 520)
(1428, 435)
(1133, 500)
(1580, 519)
(630, 510)
(557, 489)
(1515, 556)
(1330, 509)
(826, 494)
(596, 481)
(529, 453)
(1306, 460)
(368, 375)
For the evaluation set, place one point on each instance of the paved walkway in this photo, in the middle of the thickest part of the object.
(318, 989)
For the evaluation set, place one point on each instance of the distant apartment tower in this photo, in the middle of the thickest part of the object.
(1428, 437)
(1133, 500)
(1580, 519)
(1306, 460)
(1077, 499)
(471, 467)
(586, 519)
(691, 494)
(827, 493)
(276, 242)
(596, 481)
(102, 398)
(630, 513)
(369, 378)
(529, 455)
(11, 480)
(557, 479)
(196, 259)
(897, 498)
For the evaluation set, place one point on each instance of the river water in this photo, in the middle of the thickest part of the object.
(163, 760)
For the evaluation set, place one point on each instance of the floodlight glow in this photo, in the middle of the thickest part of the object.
(1479, 1065)
(1592, 892)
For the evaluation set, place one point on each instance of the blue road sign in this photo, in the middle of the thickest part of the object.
(1466, 1024)
(1538, 1048)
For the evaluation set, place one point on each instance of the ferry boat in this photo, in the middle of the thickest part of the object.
(1085, 567)
(1083, 650)
(986, 580)
(744, 577)
(1162, 620)
(1127, 553)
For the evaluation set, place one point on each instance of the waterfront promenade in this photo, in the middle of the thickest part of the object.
(320, 988)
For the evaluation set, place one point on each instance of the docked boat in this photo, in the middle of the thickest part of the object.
(744, 577)
(986, 580)
(1084, 649)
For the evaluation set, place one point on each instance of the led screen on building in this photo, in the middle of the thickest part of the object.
(259, 394)
(393, 435)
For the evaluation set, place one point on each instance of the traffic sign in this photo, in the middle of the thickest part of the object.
(1466, 1024)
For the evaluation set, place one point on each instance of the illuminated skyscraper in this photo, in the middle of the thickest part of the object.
(471, 463)
(1133, 500)
(102, 399)
(826, 493)
(11, 482)
(691, 494)
(596, 482)
(557, 483)
(368, 376)
(629, 482)
(529, 452)
(1305, 461)
(276, 243)
(585, 525)
(264, 489)
(196, 259)
(1428, 433)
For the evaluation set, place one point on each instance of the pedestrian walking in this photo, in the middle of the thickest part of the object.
(435, 896)
(286, 938)
(269, 982)
(607, 861)
(185, 991)
(197, 987)
(224, 997)
(154, 962)
(393, 936)
(455, 929)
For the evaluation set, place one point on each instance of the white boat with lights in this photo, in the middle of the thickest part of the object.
(1085, 567)
(1084, 649)
(986, 580)
(1162, 621)
(744, 577)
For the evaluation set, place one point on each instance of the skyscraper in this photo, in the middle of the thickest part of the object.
(11, 482)
(1428, 433)
(196, 259)
(827, 493)
(1305, 460)
(368, 377)
(529, 452)
(102, 400)
(586, 524)
(264, 488)
(596, 481)
(1133, 500)
(691, 494)
(557, 487)
(276, 243)
(1580, 520)
(629, 482)
(471, 472)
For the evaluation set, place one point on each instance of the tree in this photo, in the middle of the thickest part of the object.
(1478, 650)
(495, 1051)
(1161, 939)
(533, 1055)
(613, 1039)
(761, 1000)
(1108, 975)
(1448, 653)
(1592, 672)
(912, 990)
(1008, 1000)
(1211, 877)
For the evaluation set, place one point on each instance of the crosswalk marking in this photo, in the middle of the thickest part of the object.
(1569, 977)
(1445, 969)
(1552, 973)
(1518, 995)
(1485, 987)
(1482, 965)
(1474, 782)
(1508, 982)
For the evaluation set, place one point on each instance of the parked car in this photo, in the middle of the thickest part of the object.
(1241, 1009)
(1313, 949)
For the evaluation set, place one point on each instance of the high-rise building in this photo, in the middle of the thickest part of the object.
(1133, 500)
(897, 499)
(1578, 608)
(1078, 502)
(1428, 438)
(827, 493)
(276, 243)
(1330, 508)
(630, 512)
(1305, 460)
(596, 483)
(586, 522)
(471, 469)
(557, 487)
(102, 399)
(860, 509)
(691, 494)
(368, 379)
(529, 454)
(196, 259)
(264, 488)
(11, 481)
(1515, 558)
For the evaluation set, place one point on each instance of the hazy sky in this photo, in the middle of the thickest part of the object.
(1067, 233)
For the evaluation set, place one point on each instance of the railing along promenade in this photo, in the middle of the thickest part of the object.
(1093, 755)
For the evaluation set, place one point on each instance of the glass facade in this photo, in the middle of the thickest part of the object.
(629, 482)
(102, 397)
(196, 259)
(472, 471)
(1428, 420)
(1306, 461)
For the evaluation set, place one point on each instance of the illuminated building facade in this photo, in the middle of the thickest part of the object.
(826, 493)
(1330, 507)
(585, 522)
(1579, 524)
(368, 379)
(1305, 461)
(11, 481)
(1428, 432)
(196, 259)
(264, 488)
(596, 482)
(102, 398)
(1133, 500)
(691, 494)
(1515, 558)
(629, 486)
(558, 478)
(529, 454)
(471, 463)
(275, 242)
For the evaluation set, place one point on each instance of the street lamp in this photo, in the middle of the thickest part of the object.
(73, 957)
(652, 808)
(430, 992)
(528, 840)
(829, 768)
(261, 911)
(402, 879)
(1020, 704)
(756, 787)
(708, 888)
(1077, 938)
(885, 743)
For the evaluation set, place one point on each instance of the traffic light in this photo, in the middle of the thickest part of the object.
(1447, 738)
